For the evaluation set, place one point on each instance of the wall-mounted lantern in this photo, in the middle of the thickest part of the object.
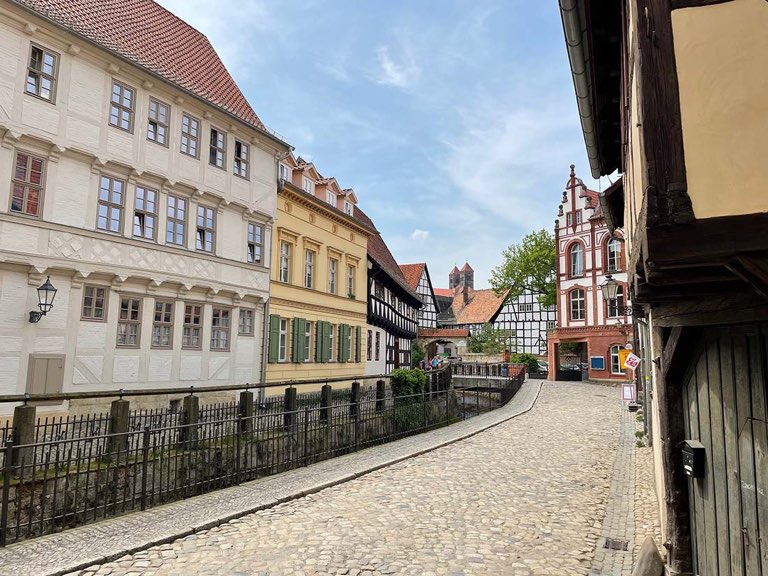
(610, 290)
(45, 295)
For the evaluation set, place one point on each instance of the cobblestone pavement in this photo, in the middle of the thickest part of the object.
(526, 497)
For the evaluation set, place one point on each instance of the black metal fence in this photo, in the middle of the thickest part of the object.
(482, 387)
(77, 470)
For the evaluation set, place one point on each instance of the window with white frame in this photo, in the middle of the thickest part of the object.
(348, 208)
(577, 307)
(27, 184)
(157, 123)
(190, 135)
(110, 211)
(569, 219)
(218, 148)
(613, 253)
(285, 262)
(255, 242)
(576, 256)
(283, 347)
(308, 342)
(333, 268)
(550, 325)
(330, 197)
(122, 106)
(331, 333)
(351, 280)
(129, 322)
(145, 213)
(42, 72)
(241, 159)
(162, 325)
(220, 326)
(616, 360)
(309, 269)
(308, 186)
(578, 216)
(206, 228)
(193, 326)
(176, 221)
(284, 172)
(245, 325)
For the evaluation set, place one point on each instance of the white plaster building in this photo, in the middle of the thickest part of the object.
(144, 184)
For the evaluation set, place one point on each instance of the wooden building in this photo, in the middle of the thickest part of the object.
(526, 321)
(672, 93)
(417, 277)
(393, 308)
(590, 330)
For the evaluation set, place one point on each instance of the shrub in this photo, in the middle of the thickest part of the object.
(406, 382)
(528, 359)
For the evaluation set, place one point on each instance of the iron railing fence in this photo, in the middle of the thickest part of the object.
(79, 470)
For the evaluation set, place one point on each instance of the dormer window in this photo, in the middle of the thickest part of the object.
(285, 172)
(348, 208)
(309, 186)
(330, 197)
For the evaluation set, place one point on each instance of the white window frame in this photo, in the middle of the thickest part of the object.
(331, 198)
(255, 243)
(245, 324)
(309, 269)
(282, 352)
(348, 208)
(284, 172)
(308, 341)
(284, 272)
(145, 213)
(308, 186)
(576, 266)
(617, 357)
(582, 308)
(333, 279)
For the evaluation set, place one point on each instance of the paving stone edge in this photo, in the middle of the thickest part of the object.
(288, 498)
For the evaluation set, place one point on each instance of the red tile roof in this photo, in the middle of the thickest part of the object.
(151, 37)
(466, 268)
(379, 252)
(443, 332)
(412, 273)
(483, 306)
(443, 292)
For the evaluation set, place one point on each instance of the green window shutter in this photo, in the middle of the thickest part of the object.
(294, 340)
(302, 338)
(274, 337)
(326, 342)
(358, 331)
(345, 349)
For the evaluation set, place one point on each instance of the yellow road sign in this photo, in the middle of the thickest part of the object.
(623, 353)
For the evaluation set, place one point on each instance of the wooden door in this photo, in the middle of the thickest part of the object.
(727, 407)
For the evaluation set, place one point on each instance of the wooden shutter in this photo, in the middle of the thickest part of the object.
(274, 337)
(302, 339)
(344, 341)
(358, 332)
(45, 374)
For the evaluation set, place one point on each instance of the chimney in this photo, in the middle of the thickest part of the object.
(465, 294)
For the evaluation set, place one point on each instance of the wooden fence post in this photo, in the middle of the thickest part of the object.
(24, 419)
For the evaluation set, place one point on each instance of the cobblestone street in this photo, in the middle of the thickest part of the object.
(525, 497)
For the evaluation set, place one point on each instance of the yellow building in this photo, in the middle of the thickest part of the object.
(318, 305)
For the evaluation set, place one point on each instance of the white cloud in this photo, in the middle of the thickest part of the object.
(419, 235)
(400, 74)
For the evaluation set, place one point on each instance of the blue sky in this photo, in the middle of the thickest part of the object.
(455, 122)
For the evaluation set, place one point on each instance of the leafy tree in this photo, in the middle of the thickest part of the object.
(530, 265)
(417, 353)
(489, 340)
(525, 358)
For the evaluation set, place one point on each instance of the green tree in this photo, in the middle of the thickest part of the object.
(529, 265)
(417, 353)
(489, 340)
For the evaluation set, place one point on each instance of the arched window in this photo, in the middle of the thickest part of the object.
(614, 305)
(615, 361)
(613, 255)
(577, 260)
(578, 310)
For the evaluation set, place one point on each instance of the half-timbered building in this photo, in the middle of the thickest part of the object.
(590, 330)
(393, 308)
(672, 93)
(417, 277)
(526, 321)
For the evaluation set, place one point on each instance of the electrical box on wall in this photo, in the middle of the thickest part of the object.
(694, 458)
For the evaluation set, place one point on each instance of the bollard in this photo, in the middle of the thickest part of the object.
(190, 418)
(24, 418)
(380, 395)
(119, 416)
(246, 412)
(325, 403)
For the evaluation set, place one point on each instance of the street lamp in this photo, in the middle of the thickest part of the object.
(610, 290)
(45, 295)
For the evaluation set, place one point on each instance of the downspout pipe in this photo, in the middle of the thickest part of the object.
(573, 15)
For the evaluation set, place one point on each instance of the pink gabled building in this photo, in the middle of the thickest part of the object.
(590, 331)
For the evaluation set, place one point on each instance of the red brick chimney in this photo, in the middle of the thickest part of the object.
(465, 294)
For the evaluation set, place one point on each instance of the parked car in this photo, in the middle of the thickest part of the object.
(543, 366)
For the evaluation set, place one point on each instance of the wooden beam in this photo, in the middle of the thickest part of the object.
(696, 3)
(752, 270)
(710, 311)
(649, 294)
(707, 241)
(669, 399)
(659, 102)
